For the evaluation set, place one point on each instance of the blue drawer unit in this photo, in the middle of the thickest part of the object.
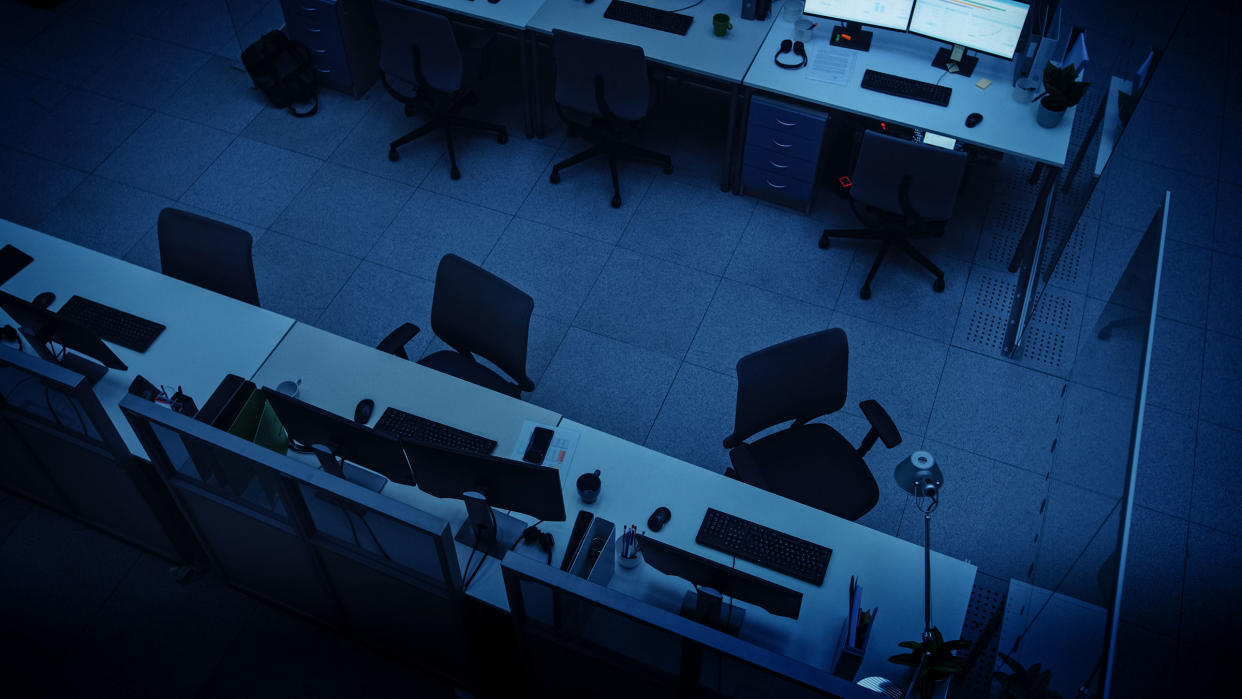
(343, 40)
(780, 158)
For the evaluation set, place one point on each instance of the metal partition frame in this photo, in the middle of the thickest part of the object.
(701, 652)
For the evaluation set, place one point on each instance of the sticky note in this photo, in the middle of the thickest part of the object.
(983, 83)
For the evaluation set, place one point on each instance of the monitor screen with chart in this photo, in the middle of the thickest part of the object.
(889, 14)
(989, 26)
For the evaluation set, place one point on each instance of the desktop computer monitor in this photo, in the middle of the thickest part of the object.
(888, 14)
(987, 26)
(335, 439)
(43, 326)
(485, 482)
(715, 581)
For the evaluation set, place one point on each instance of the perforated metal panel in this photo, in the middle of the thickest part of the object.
(987, 330)
(1052, 332)
(982, 627)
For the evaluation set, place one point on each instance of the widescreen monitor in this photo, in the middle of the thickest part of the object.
(988, 26)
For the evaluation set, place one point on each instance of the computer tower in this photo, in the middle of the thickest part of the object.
(762, 8)
(748, 9)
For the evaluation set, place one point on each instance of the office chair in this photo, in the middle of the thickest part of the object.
(908, 190)
(476, 313)
(800, 380)
(208, 254)
(602, 93)
(420, 48)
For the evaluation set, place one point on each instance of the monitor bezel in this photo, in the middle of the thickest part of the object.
(863, 22)
(910, 29)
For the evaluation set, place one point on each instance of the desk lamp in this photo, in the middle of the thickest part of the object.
(920, 476)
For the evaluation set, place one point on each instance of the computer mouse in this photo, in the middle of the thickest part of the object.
(493, 1)
(973, 120)
(44, 300)
(658, 519)
(362, 413)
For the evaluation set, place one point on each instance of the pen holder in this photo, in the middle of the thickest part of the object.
(848, 659)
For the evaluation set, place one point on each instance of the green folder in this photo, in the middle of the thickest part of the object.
(257, 422)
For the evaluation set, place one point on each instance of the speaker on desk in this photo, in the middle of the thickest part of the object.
(748, 9)
(762, 8)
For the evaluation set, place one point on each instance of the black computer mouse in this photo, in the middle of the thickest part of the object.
(973, 120)
(362, 413)
(44, 300)
(658, 519)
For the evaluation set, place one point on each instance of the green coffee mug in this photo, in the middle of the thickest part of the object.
(720, 23)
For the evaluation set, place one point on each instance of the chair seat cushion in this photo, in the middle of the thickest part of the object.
(812, 464)
(467, 369)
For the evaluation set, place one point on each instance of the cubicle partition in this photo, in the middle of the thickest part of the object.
(303, 539)
(61, 449)
(578, 637)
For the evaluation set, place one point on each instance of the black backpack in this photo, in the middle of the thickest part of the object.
(281, 69)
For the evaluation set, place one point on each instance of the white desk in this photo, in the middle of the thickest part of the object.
(512, 14)
(1008, 126)
(207, 335)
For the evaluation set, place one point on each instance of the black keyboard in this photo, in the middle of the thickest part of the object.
(110, 324)
(765, 546)
(649, 17)
(419, 429)
(905, 87)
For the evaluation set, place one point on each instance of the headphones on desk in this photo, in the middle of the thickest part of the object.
(532, 535)
(798, 50)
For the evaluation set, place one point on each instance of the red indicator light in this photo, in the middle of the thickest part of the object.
(845, 181)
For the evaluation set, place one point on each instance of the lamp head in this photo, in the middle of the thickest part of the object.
(919, 475)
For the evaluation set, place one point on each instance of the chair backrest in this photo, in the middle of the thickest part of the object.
(414, 41)
(476, 312)
(583, 61)
(799, 379)
(207, 253)
(884, 161)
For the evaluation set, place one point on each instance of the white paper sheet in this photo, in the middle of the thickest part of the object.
(830, 64)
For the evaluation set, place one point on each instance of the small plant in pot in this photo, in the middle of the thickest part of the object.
(1025, 682)
(1061, 91)
(941, 663)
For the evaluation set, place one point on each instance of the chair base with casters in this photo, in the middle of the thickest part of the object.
(444, 114)
(888, 238)
(611, 145)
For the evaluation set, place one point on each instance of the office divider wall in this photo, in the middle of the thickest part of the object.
(62, 450)
(292, 534)
(576, 635)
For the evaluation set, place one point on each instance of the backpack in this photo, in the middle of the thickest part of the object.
(281, 70)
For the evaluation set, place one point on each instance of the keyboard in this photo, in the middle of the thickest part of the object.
(110, 324)
(905, 87)
(649, 17)
(764, 546)
(419, 429)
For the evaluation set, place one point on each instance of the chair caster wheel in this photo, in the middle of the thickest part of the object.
(393, 155)
(455, 173)
(938, 285)
(824, 241)
(555, 177)
(668, 169)
(616, 202)
(865, 293)
(502, 138)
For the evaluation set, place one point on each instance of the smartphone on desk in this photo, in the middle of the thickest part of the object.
(537, 448)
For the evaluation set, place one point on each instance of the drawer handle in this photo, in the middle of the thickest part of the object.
(324, 70)
(782, 145)
(775, 186)
(786, 124)
(316, 31)
(777, 165)
(320, 50)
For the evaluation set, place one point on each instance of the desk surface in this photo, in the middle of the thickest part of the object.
(699, 51)
(1007, 126)
(207, 335)
(514, 14)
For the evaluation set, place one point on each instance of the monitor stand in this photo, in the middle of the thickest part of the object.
(492, 533)
(955, 60)
(850, 35)
(708, 608)
(93, 371)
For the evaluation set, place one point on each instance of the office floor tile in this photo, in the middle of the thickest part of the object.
(1231, 152)
(1155, 560)
(121, 14)
(1214, 500)
(160, 636)
(1149, 138)
(366, 147)
(989, 512)
(28, 100)
(104, 215)
(902, 296)
(696, 416)
(693, 226)
(83, 129)
(20, 25)
(1079, 532)
(1073, 266)
(299, 279)
(1166, 462)
(609, 385)
(343, 210)
(1224, 305)
(647, 302)
(199, 24)
(1111, 363)
(1211, 607)
(431, 225)
(779, 252)
(492, 175)
(1184, 282)
(317, 136)
(252, 182)
(1114, 249)
(996, 409)
(147, 72)
(1189, 81)
(896, 368)
(32, 672)
(1228, 234)
(43, 185)
(1176, 368)
(377, 300)
(69, 51)
(1143, 661)
(742, 319)
(1093, 443)
(13, 509)
(144, 160)
(218, 95)
(556, 268)
(1134, 191)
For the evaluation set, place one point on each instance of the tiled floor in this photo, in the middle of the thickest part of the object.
(114, 109)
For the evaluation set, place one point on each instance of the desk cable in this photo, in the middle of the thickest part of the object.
(700, 2)
(473, 550)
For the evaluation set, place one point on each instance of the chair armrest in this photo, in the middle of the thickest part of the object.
(395, 342)
(882, 427)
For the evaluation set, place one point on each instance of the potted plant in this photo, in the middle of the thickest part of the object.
(1025, 682)
(941, 663)
(1061, 91)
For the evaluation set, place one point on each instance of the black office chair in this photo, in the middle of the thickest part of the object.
(207, 253)
(800, 380)
(908, 190)
(476, 313)
(420, 48)
(602, 93)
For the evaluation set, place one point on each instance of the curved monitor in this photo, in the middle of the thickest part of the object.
(889, 14)
(989, 26)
